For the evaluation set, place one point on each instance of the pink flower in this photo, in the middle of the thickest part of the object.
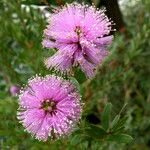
(80, 33)
(49, 107)
(14, 90)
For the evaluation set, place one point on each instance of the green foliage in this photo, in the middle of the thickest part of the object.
(123, 78)
(91, 133)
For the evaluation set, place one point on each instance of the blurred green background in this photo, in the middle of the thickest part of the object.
(123, 78)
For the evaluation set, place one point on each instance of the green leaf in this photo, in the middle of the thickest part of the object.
(75, 82)
(106, 116)
(115, 121)
(78, 139)
(95, 131)
(80, 76)
(119, 125)
(75, 140)
(120, 138)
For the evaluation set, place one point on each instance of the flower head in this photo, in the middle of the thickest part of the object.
(80, 33)
(49, 107)
(14, 90)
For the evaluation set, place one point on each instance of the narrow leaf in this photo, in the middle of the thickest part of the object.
(75, 82)
(106, 116)
(115, 121)
(120, 124)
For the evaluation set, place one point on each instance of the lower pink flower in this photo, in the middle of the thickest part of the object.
(49, 107)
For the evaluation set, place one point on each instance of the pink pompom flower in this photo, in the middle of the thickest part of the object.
(49, 107)
(80, 33)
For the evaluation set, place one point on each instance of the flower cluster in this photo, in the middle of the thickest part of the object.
(49, 107)
(80, 33)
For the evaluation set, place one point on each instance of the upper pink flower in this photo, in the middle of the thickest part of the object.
(80, 33)
(49, 107)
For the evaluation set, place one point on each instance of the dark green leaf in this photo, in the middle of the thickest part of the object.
(120, 138)
(95, 131)
(80, 76)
